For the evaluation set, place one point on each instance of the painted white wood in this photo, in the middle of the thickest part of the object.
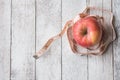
(23, 40)
(5, 14)
(74, 67)
(116, 45)
(108, 56)
(100, 67)
(48, 24)
(59, 62)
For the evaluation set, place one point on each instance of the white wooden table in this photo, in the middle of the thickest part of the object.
(25, 25)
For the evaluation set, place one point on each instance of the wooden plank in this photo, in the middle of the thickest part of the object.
(23, 40)
(108, 56)
(48, 24)
(116, 45)
(5, 16)
(100, 67)
(74, 67)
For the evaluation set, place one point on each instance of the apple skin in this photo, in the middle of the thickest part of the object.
(87, 31)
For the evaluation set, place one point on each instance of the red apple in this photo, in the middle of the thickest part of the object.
(87, 31)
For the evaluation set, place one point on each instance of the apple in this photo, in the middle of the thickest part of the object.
(87, 31)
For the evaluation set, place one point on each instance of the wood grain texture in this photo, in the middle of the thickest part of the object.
(108, 56)
(48, 24)
(74, 67)
(116, 45)
(23, 40)
(32, 22)
(100, 67)
(5, 19)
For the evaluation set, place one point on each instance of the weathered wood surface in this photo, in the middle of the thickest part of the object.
(27, 24)
(48, 24)
(116, 45)
(5, 24)
(23, 40)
